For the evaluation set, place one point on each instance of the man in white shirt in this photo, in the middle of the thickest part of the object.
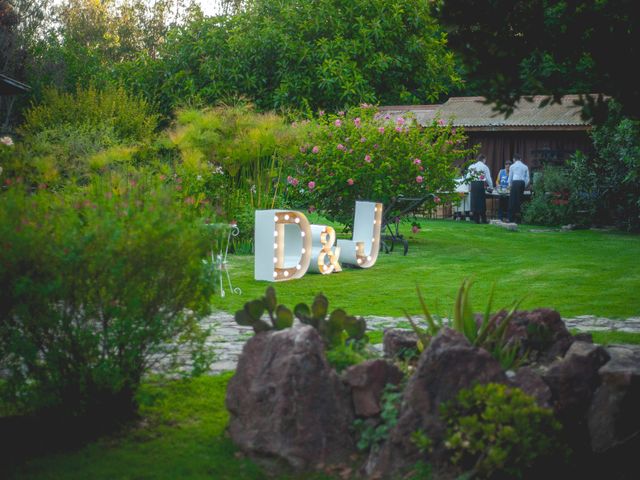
(518, 181)
(480, 176)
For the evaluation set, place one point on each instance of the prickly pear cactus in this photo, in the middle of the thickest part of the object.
(335, 330)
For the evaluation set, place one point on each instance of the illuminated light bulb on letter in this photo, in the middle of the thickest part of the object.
(286, 217)
(298, 267)
(275, 245)
(297, 220)
(303, 251)
(275, 233)
(302, 234)
(286, 273)
(275, 219)
(275, 274)
(275, 259)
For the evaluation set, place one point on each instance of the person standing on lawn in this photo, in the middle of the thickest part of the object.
(502, 183)
(518, 181)
(480, 177)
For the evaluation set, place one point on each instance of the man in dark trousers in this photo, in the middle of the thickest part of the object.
(480, 176)
(518, 181)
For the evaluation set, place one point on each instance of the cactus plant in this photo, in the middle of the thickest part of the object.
(251, 315)
(335, 330)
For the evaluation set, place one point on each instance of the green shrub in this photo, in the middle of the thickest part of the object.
(553, 201)
(351, 353)
(607, 181)
(97, 286)
(496, 430)
(131, 118)
(365, 155)
(68, 138)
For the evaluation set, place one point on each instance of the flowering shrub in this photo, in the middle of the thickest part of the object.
(367, 155)
(96, 287)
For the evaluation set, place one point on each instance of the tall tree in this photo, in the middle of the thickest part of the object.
(555, 47)
(312, 54)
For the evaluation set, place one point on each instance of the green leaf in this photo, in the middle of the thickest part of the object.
(283, 318)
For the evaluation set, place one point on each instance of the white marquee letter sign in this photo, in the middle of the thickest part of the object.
(282, 245)
(362, 250)
(286, 245)
(323, 259)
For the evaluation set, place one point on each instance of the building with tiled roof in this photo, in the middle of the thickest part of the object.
(548, 134)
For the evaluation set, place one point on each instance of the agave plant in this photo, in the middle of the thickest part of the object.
(489, 334)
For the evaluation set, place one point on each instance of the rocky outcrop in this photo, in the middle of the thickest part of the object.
(367, 381)
(574, 378)
(396, 342)
(448, 365)
(531, 383)
(287, 403)
(614, 414)
(541, 333)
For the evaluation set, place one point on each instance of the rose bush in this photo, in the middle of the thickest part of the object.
(365, 154)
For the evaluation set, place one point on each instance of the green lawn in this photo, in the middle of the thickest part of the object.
(576, 272)
(181, 435)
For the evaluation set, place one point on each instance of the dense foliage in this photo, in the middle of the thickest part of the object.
(64, 137)
(366, 155)
(554, 199)
(510, 49)
(232, 157)
(494, 430)
(324, 53)
(96, 288)
(607, 183)
(601, 188)
(281, 55)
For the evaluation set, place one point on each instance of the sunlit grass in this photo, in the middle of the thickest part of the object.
(576, 272)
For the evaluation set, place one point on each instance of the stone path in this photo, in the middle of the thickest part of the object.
(228, 337)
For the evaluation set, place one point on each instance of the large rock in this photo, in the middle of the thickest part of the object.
(287, 403)
(614, 414)
(574, 378)
(541, 332)
(448, 365)
(367, 381)
(396, 342)
(531, 383)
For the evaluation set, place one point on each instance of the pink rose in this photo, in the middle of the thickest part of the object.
(400, 121)
(441, 123)
(367, 158)
(315, 149)
(415, 229)
(294, 182)
(341, 147)
(356, 122)
(399, 129)
(419, 179)
(381, 129)
(362, 139)
(338, 122)
(437, 199)
(341, 113)
(417, 161)
(311, 185)
(303, 149)
(321, 113)
(350, 181)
